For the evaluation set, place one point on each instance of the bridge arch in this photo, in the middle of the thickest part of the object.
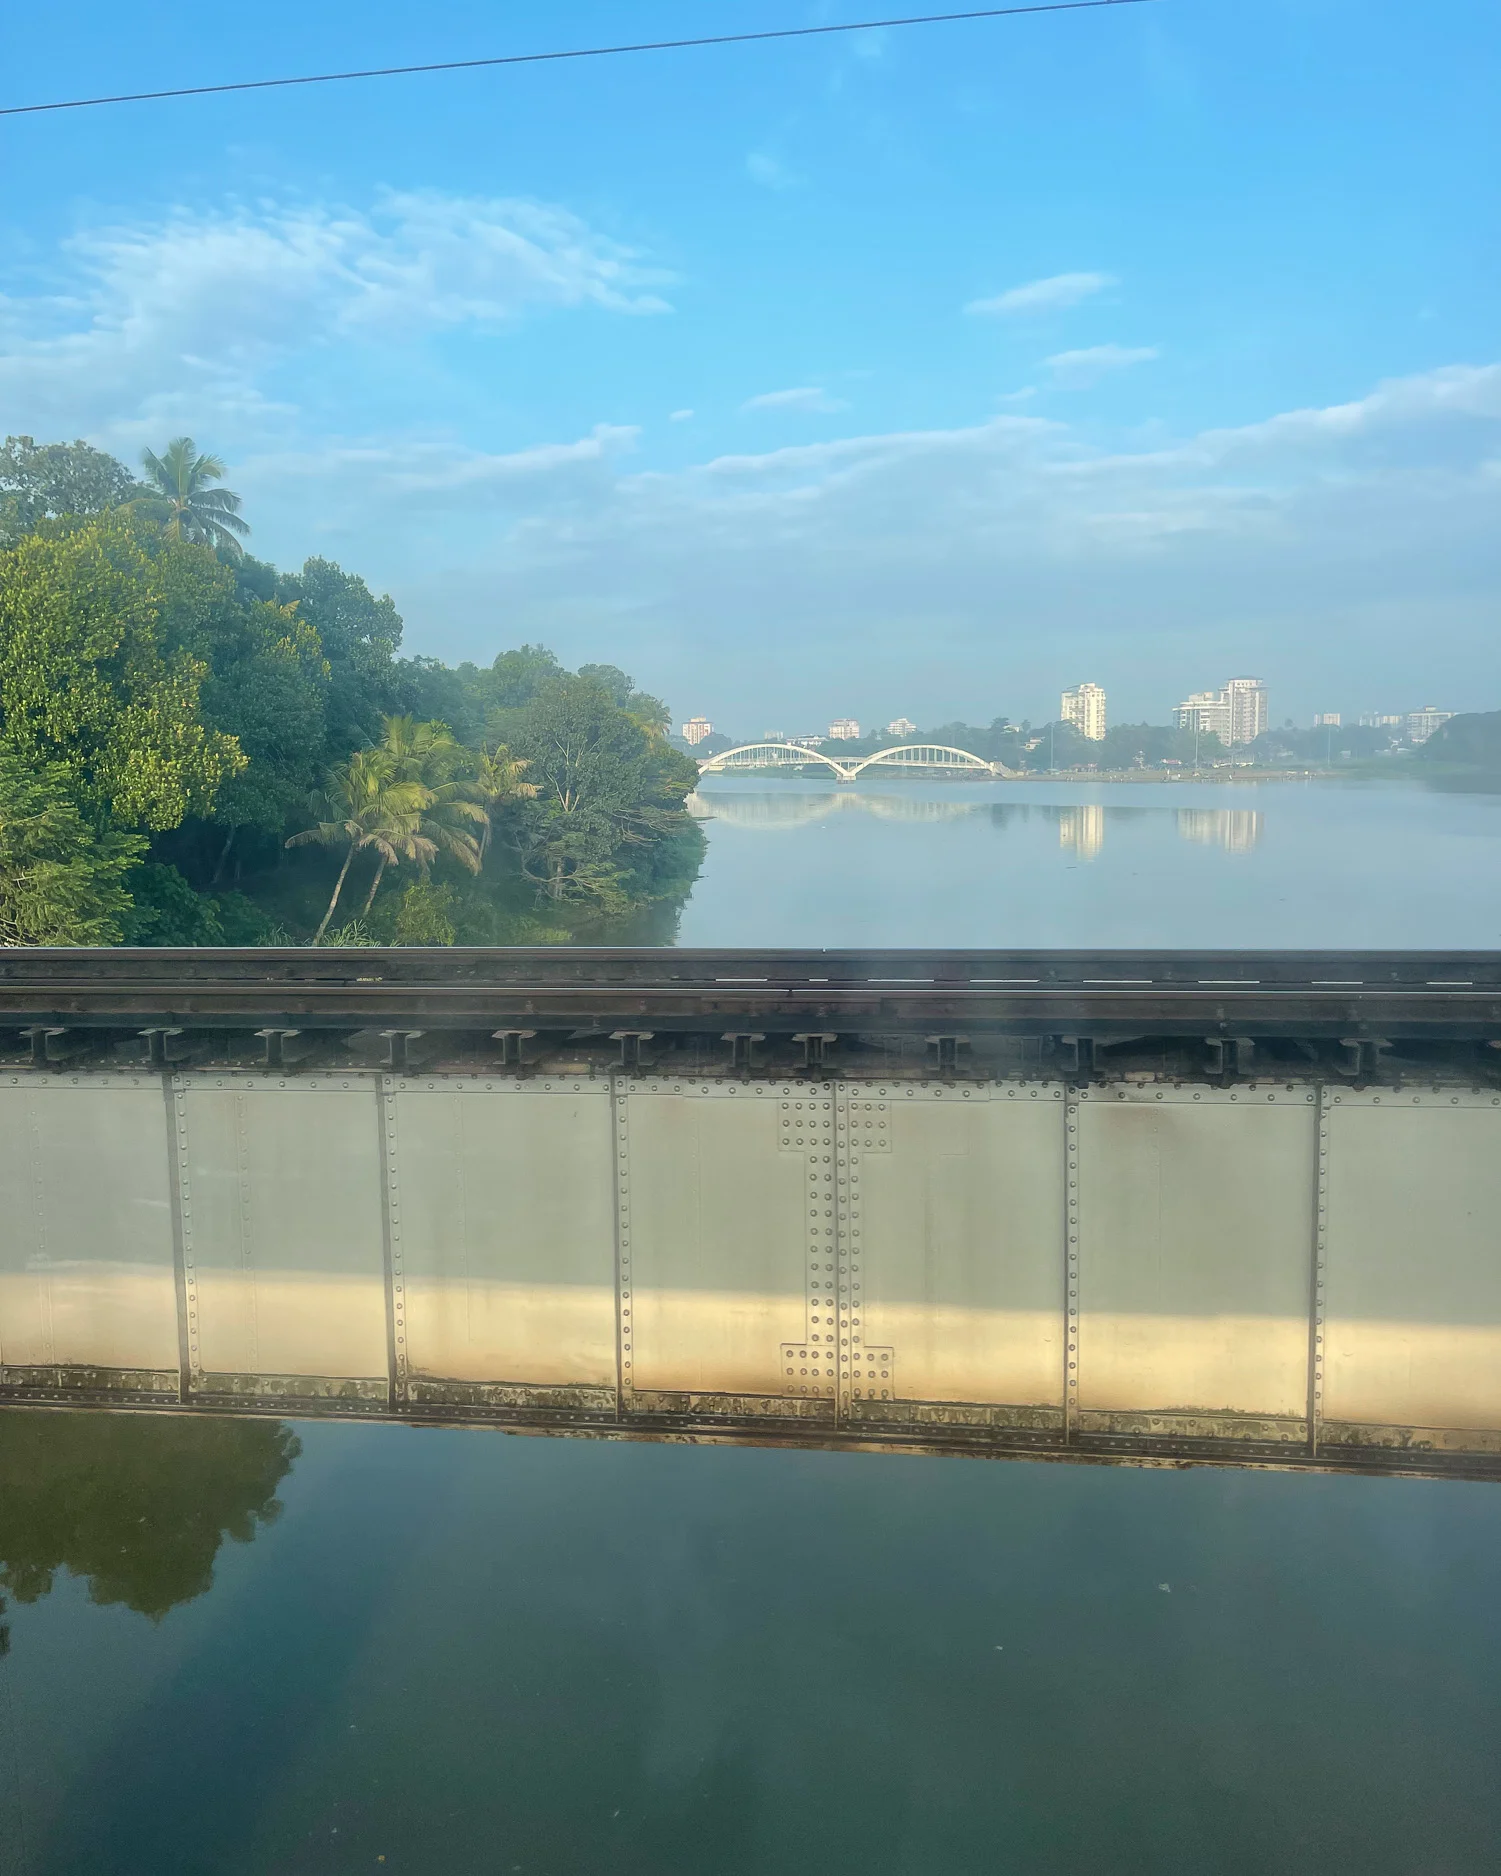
(942, 758)
(770, 756)
(924, 756)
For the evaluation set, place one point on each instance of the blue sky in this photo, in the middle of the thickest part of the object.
(918, 373)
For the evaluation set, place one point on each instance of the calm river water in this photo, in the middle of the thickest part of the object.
(238, 1647)
(1275, 865)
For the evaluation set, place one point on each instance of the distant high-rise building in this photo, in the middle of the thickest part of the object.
(1248, 709)
(1373, 720)
(696, 729)
(1419, 725)
(844, 730)
(1236, 714)
(1206, 713)
(900, 726)
(1084, 707)
(1329, 720)
(804, 742)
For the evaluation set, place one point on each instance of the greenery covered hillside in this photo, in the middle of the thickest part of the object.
(1471, 742)
(198, 748)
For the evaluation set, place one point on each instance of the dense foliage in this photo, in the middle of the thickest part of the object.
(1470, 741)
(197, 748)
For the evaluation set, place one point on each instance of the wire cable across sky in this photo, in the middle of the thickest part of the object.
(576, 52)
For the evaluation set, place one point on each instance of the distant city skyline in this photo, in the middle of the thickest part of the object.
(1237, 711)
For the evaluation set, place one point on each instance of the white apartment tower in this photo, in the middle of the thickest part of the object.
(1237, 714)
(1420, 724)
(696, 729)
(844, 730)
(1248, 709)
(1084, 707)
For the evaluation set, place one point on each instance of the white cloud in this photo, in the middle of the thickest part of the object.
(1076, 371)
(680, 416)
(1053, 295)
(809, 397)
(151, 321)
(1354, 534)
(770, 171)
(959, 560)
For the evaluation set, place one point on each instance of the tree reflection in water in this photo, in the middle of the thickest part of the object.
(136, 1503)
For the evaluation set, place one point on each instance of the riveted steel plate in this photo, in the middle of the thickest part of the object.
(954, 1226)
(86, 1260)
(1261, 1273)
(1413, 1332)
(1196, 1238)
(280, 1182)
(727, 1202)
(507, 1229)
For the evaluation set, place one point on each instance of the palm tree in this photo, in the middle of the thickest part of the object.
(403, 800)
(369, 806)
(430, 757)
(195, 512)
(497, 780)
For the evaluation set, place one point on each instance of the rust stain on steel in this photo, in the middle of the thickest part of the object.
(1403, 1452)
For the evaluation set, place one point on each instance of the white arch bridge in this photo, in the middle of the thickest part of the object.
(927, 758)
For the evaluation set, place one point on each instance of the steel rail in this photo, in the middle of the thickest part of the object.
(1401, 995)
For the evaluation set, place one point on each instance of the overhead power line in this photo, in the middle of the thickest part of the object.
(576, 52)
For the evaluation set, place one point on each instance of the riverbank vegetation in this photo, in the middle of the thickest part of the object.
(197, 747)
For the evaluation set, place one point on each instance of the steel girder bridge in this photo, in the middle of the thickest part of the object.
(1162, 1207)
(921, 758)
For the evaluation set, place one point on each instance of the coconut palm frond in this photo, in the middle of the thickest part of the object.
(181, 478)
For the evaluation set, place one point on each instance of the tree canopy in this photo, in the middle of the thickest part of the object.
(42, 481)
(91, 680)
(60, 882)
(197, 747)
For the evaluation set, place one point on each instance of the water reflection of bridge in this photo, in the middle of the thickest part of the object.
(1279, 1254)
(1082, 826)
(801, 810)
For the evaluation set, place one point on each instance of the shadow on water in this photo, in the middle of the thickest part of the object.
(137, 1505)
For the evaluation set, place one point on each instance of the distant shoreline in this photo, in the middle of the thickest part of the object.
(1162, 776)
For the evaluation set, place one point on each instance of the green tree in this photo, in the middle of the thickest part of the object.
(360, 636)
(368, 809)
(449, 813)
(40, 481)
(89, 677)
(61, 882)
(497, 783)
(1472, 740)
(517, 676)
(180, 479)
(424, 914)
(267, 687)
(165, 910)
(608, 790)
(650, 712)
